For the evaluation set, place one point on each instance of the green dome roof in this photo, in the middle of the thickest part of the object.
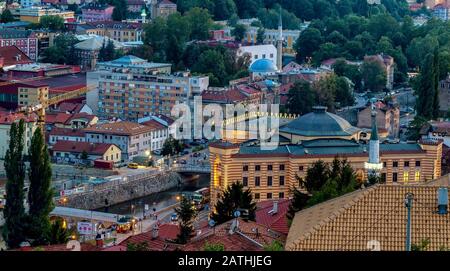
(319, 123)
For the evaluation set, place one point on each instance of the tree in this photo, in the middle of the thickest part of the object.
(260, 35)
(108, 51)
(63, 51)
(14, 211)
(212, 61)
(224, 9)
(52, 22)
(155, 37)
(239, 32)
(120, 11)
(422, 246)
(233, 20)
(84, 155)
(6, 16)
(40, 195)
(374, 75)
(307, 43)
(316, 176)
(427, 89)
(171, 146)
(299, 202)
(58, 233)
(233, 198)
(413, 132)
(301, 98)
(200, 23)
(325, 89)
(274, 246)
(213, 247)
(186, 214)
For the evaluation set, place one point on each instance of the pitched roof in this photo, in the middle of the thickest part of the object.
(250, 236)
(10, 117)
(53, 118)
(119, 128)
(377, 213)
(155, 125)
(166, 233)
(96, 43)
(277, 221)
(79, 147)
(82, 115)
(12, 56)
(70, 107)
(56, 131)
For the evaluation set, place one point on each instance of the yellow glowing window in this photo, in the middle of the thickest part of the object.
(405, 176)
(417, 176)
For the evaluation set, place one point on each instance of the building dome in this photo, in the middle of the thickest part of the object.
(263, 66)
(320, 123)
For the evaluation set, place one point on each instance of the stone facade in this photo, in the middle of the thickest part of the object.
(124, 191)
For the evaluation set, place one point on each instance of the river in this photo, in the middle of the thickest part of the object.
(157, 200)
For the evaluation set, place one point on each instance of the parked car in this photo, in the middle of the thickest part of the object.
(174, 217)
(157, 152)
(133, 165)
(185, 152)
(183, 162)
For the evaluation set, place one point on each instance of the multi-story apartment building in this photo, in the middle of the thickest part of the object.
(25, 40)
(32, 93)
(132, 138)
(34, 14)
(29, 3)
(316, 136)
(94, 12)
(6, 119)
(130, 88)
(119, 31)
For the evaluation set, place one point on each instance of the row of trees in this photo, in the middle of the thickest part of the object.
(33, 225)
(63, 51)
(328, 91)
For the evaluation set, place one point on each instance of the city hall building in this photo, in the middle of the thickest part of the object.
(318, 135)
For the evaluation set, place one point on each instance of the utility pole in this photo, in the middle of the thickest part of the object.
(408, 204)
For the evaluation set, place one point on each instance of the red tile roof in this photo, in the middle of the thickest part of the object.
(70, 107)
(62, 247)
(154, 125)
(56, 131)
(119, 128)
(79, 147)
(60, 118)
(278, 221)
(9, 55)
(9, 118)
(224, 96)
(82, 115)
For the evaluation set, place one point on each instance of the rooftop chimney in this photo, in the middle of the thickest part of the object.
(442, 200)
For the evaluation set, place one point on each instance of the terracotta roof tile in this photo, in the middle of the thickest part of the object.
(278, 221)
(57, 131)
(79, 147)
(119, 128)
(377, 213)
(12, 56)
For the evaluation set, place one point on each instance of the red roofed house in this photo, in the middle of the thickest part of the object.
(66, 134)
(11, 56)
(159, 133)
(71, 151)
(6, 119)
(272, 214)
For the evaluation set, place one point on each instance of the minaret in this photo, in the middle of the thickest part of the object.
(280, 44)
(144, 16)
(374, 166)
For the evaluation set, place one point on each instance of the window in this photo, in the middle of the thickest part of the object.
(269, 167)
(383, 177)
(300, 168)
(256, 195)
(257, 168)
(394, 177)
(417, 176)
(256, 56)
(405, 176)
(418, 163)
(269, 195)
(281, 195)
(269, 181)
(245, 181)
(395, 164)
(245, 168)
(281, 167)
(406, 164)
(384, 164)
(257, 181)
(281, 180)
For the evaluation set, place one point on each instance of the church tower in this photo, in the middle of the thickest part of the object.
(280, 44)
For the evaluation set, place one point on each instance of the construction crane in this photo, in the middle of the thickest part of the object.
(39, 109)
